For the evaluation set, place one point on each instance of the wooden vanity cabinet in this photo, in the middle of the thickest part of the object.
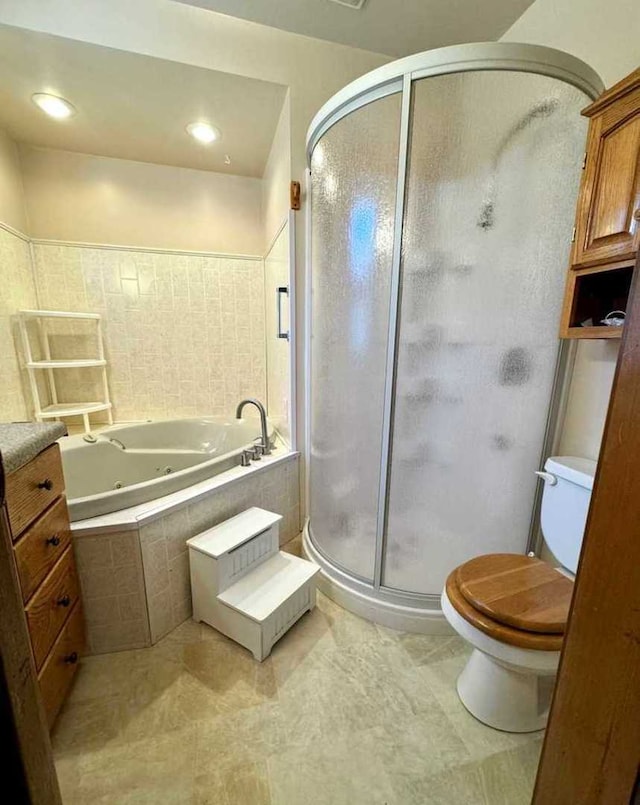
(45, 565)
(607, 229)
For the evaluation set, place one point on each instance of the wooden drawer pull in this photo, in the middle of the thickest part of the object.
(71, 659)
(54, 540)
(64, 601)
(46, 484)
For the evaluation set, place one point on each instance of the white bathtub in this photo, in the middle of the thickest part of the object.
(131, 464)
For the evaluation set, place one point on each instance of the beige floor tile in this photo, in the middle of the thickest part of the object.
(159, 768)
(421, 746)
(342, 711)
(429, 649)
(247, 785)
(345, 771)
(508, 777)
(459, 786)
(247, 736)
(209, 789)
(87, 725)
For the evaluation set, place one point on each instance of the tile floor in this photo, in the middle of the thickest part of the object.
(342, 712)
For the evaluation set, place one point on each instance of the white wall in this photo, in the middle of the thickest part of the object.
(12, 207)
(89, 199)
(17, 289)
(277, 177)
(603, 33)
(606, 35)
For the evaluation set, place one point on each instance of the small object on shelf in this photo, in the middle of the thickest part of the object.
(56, 409)
(614, 319)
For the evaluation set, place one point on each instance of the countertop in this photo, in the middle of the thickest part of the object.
(22, 441)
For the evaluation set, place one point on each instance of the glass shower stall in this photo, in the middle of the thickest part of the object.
(442, 192)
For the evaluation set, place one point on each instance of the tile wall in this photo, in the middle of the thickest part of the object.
(184, 334)
(113, 595)
(17, 291)
(135, 584)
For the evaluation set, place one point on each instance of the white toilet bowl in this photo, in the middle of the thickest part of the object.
(506, 687)
(513, 609)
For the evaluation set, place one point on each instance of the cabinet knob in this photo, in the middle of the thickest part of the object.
(71, 659)
(636, 214)
(64, 601)
(46, 484)
(54, 540)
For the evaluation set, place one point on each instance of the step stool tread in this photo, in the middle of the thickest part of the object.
(221, 539)
(258, 594)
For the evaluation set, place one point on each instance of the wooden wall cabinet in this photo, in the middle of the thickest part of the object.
(607, 229)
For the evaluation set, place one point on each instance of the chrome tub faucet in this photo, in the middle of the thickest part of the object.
(266, 447)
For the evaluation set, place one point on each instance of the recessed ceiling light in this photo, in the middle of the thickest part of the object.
(203, 132)
(53, 106)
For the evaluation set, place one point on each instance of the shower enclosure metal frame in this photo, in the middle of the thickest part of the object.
(406, 609)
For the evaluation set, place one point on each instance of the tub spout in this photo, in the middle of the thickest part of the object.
(263, 421)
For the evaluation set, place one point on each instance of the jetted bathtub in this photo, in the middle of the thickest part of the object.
(126, 465)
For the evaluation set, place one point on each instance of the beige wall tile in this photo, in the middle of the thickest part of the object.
(113, 591)
(132, 607)
(156, 567)
(160, 615)
(179, 578)
(184, 334)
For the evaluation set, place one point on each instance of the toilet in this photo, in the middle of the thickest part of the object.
(513, 609)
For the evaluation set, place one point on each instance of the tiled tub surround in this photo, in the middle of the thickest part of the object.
(133, 564)
(184, 333)
(18, 291)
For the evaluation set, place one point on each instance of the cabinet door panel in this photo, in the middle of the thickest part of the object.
(608, 225)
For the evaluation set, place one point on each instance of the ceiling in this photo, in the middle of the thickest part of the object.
(393, 27)
(135, 107)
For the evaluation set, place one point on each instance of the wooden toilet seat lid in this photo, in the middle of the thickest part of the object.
(520, 591)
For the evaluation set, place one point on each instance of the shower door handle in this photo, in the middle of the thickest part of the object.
(281, 291)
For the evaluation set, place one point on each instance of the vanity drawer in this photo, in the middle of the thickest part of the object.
(62, 663)
(41, 545)
(50, 606)
(34, 487)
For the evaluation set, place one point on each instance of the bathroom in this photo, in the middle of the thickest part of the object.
(169, 204)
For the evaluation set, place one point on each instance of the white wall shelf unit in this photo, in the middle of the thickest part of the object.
(56, 409)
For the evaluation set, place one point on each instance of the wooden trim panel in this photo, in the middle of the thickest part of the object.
(591, 752)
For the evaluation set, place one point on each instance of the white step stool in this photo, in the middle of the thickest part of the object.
(242, 585)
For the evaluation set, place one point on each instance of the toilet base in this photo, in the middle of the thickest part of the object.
(502, 697)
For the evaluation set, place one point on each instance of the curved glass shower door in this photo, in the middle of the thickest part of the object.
(353, 183)
(486, 239)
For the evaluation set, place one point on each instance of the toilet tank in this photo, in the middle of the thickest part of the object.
(565, 503)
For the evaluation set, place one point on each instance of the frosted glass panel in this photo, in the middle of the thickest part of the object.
(354, 175)
(494, 167)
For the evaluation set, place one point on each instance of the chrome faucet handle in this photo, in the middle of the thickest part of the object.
(245, 459)
(255, 453)
(260, 449)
